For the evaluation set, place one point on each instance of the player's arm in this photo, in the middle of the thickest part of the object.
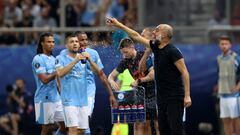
(101, 75)
(143, 61)
(103, 78)
(180, 64)
(132, 33)
(237, 64)
(46, 78)
(149, 77)
(111, 78)
(62, 71)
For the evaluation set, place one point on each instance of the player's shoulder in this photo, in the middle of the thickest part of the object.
(172, 48)
(64, 52)
(37, 57)
(60, 56)
(91, 50)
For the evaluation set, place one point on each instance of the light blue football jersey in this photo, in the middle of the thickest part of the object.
(91, 85)
(73, 84)
(43, 64)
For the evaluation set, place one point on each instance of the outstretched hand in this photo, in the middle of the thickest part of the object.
(110, 21)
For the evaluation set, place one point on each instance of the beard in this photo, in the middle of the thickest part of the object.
(73, 51)
(159, 37)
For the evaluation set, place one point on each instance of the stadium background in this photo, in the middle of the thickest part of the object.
(197, 25)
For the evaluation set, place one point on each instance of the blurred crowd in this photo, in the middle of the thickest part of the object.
(220, 19)
(46, 13)
(88, 13)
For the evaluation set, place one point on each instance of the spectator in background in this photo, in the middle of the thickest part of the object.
(9, 121)
(35, 8)
(121, 9)
(235, 20)
(217, 20)
(23, 99)
(71, 14)
(12, 13)
(236, 13)
(221, 7)
(26, 37)
(117, 9)
(8, 38)
(228, 87)
(102, 11)
(54, 7)
(45, 20)
(80, 7)
(20, 109)
(89, 14)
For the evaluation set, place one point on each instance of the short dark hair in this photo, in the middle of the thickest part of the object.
(41, 39)
(125, 42)
(225, 37)
(80, 33)
(70, 35)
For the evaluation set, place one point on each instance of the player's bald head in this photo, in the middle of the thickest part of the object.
(167, 29)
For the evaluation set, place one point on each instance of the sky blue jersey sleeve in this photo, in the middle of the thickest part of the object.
(64, 52)
(59, 61)
(39, 65)
(98, 61)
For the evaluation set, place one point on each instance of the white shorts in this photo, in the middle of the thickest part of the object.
(75, 116)
(49, 112)
(90, 107)
(229, 107)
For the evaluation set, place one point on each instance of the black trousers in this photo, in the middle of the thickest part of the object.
(170, 117)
